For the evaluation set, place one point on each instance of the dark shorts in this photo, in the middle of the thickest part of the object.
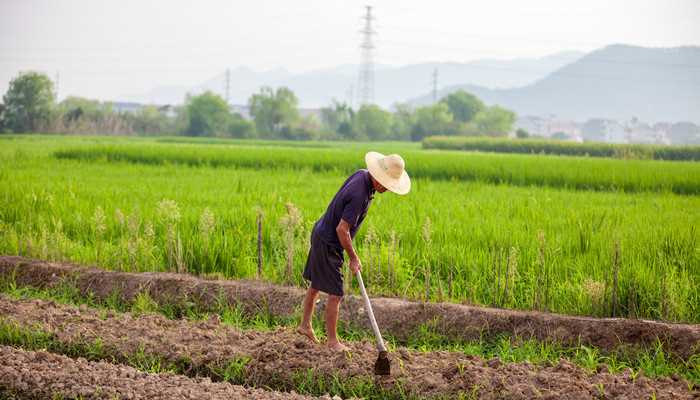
(324, 266)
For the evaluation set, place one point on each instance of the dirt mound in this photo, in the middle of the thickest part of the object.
(278, 359)
(42, 375)
(397, 317)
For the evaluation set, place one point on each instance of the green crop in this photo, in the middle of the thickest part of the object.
(514, 169)
(539, 146)
(515, 244)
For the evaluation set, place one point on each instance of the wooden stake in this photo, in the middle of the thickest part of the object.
(616, 268)
(427, 281)
(290, 253)
(260, 248)
(449, 281)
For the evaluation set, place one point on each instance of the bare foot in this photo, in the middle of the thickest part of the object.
(337, 346)
(308, 332)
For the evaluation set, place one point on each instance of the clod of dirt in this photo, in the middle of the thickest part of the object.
(275, 359)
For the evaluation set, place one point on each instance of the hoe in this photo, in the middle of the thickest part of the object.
(383, 365)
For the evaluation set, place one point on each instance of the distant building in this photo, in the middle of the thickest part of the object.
(615, 132)
(603, 130)
(124, 106)
(594, 130)
(639, 132)
(662, 129)
(548, 126)
(570, 128)
(168, 110)
(684, 133)
(242, 110)
(310, 112)
(532, 124)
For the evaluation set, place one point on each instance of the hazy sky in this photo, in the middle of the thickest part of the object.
(106, 49)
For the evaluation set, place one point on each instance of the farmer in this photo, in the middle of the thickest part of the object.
(334, 232)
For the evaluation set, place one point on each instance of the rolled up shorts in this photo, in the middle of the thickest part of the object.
(324, 266)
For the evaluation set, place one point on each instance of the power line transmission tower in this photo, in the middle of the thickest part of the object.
(228, 84)
(435, 84)
(366, 79)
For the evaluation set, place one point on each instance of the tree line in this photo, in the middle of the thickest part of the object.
(30, 106)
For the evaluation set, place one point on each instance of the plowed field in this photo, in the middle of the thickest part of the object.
(43, 375)
(276, 359)
(397, 317)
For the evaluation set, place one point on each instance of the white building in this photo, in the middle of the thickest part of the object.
(548, 126)
(125, 106)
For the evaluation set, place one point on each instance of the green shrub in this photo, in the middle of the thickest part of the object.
(538, 146)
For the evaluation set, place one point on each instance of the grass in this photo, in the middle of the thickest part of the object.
(652, 361)
(498, 242)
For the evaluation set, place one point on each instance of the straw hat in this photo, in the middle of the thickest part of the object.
(389, 171)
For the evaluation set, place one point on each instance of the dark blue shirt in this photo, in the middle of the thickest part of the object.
(350, 203)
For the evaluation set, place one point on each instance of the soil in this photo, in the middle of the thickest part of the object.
(42, 375)
(396, 317)
(276, 357)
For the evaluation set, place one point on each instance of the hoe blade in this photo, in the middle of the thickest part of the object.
(383, 364)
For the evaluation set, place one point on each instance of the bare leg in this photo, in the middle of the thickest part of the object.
(332, 309)
(305, 327)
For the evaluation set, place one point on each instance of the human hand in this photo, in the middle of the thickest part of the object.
(355, 265)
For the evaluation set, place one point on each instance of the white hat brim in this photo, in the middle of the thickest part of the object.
(402, 185)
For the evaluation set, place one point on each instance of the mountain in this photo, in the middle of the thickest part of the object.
(616, 82)
(392, 84)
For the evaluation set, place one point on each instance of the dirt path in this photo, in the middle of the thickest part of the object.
(277, 358)
(397, 317)
(42, 375)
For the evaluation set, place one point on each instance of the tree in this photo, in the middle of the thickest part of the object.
(241, 128)
(207, 114)
(274, 111)
(403, 121)
(560, 136)
(2, 111)
(463, 106)
(307, 128)
(29, 102)
(521, 133)
(74, 108)
(372, 122)
(337, 118)
(431, 120)
(150, 121)
(79, 115)
(495, 121)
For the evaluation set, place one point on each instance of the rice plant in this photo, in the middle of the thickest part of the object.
(166, 216)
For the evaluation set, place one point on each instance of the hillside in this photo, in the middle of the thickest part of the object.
(618, 81)
(392, 83)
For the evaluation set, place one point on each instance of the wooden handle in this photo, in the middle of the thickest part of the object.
(368, 306)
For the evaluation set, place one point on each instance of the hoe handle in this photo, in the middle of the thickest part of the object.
(368, 306)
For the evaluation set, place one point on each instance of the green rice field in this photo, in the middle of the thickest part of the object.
(577, 235)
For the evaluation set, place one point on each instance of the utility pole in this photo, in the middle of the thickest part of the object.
(228, 84)
(366, 79)
(435, 84)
